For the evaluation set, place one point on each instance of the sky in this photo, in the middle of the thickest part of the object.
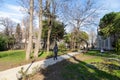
(11, 8)
(109, 6)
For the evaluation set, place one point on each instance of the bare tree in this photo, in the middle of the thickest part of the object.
(38, 42)
(79, 14)
(25, 31)
(30, 42)
(28, 7)
(25, 6)
(8, 25)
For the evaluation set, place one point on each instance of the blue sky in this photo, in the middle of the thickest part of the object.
(11, 8)
(109, 6)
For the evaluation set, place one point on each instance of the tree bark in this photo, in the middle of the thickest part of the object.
(38, 43)
(49, 25)
(48, 38)
(30, 42)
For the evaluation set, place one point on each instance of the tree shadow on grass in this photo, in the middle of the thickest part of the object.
(41, 53)
(79, 70)
(90, 72)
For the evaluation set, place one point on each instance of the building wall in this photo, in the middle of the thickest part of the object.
(104, 43)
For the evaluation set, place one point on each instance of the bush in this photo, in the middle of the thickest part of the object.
(62, 47)
(3, 43)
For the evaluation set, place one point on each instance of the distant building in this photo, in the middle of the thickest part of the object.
(106, 43)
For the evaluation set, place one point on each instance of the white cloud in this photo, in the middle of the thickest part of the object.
(16, 8)
(13, 16)
(13, 12)
(3, 14)
(13, 7)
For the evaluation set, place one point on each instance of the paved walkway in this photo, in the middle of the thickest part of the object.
(13, 74)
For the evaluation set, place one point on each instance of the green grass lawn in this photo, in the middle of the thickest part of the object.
(109, 54)
(100, 67)
(88, 66)
(12, 55)
(19, 55)
(13, 58)
(87, 71)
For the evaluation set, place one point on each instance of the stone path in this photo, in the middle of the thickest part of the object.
(13, 74)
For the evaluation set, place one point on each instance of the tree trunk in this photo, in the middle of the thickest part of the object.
(50, 21)
(30, 43)
(48, 38)
(49, 25)
(25, 45)
(38, 43)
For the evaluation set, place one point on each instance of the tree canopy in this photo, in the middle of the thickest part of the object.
(3, 42)
(57, 30)
(110, 26)
(79, 38)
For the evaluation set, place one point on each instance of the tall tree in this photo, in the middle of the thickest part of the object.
(26, 20)
(48, 2)
(50, 11)
(79, 15)
(55, 34)
(30, 42)
(109, 26)
(38, 43)
(18, 36)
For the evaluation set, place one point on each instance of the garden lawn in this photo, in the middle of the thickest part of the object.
(11, 58)
(96, 68)
(14, 58)
(102, 66)
(107, 54)
(89, 66)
